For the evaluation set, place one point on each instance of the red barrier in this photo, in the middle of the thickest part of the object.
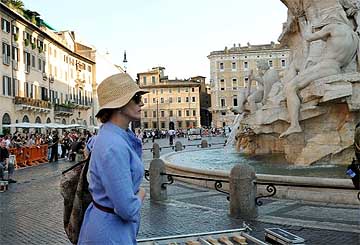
(30, 155)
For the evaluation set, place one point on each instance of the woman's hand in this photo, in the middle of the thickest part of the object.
(141, 193)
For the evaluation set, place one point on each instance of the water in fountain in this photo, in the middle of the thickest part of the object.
(231, 139)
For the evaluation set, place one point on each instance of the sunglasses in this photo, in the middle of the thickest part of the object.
(136, 98)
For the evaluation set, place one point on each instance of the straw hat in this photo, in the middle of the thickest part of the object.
(116, 91)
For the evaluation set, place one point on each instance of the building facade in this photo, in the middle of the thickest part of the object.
(169, 103)
(229, 69)
(47, 76)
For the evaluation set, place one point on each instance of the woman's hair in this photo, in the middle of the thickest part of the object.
(105, 114)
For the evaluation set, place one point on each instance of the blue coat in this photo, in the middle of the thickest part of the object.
(115, 174)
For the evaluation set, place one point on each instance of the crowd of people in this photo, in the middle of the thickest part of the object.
(70, 145)
(145, 134)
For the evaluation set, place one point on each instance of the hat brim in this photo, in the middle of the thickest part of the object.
(121, 102)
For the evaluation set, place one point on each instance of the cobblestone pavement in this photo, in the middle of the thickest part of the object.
(31, 212)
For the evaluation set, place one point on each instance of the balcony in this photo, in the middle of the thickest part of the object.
(30, 104)
(63, 110)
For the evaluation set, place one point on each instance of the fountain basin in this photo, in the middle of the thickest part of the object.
(327, 195)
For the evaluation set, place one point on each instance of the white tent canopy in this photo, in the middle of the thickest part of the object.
(46, 125)
(24, 125)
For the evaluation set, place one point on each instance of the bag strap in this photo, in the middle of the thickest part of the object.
(86, 161)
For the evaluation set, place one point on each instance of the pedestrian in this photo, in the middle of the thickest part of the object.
(4, 163)
(153, 136)
(116, 169)
(54, 147)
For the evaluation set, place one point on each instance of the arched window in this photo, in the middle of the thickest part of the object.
(25, 119)
(48, 120)
(73, 121)
(85, 122)
(37, 120)
(6, 121)
(63, 121)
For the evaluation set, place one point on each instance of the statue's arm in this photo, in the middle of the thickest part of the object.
(324, 33)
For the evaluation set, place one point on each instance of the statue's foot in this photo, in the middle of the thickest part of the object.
(291, 130)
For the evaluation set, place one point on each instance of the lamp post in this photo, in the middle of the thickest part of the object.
(50, 79)
(157, 114)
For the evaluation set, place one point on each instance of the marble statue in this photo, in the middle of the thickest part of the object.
(265, 78)
(341, 43)
(318, 93)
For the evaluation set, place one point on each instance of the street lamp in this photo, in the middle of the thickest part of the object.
(50, 79)
(157, 113)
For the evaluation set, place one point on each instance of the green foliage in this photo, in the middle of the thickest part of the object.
(33, 45)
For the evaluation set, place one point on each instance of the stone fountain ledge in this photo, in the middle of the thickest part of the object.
(332, 196)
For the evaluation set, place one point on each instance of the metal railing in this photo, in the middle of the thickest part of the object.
(218, 183)
(271, 189)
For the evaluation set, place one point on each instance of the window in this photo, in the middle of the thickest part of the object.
(153, 91)
(43, 68)
(144, 80)
(33, 61)
(162, 113)
(234, 81)
(26, 89)
(192, 89)
(223, 113)
(27, 61)
(161, 91)
(187, 99)
(194, 113)
(270, 63)
(283, 63)
(222, 88)
(246, 65)
(193, 99)
(6, 86)
(6, 53)
(162, 124)
(222, 101)
(39, 64)
(233, 66)
(235, 101)
(179, 113)
(180, 124)
(187, 124)
(170, 100)
(15, 54)
(170, 113)
(179, 99)
(178, 90)
(146, 125)
(162, 100)
(55, 53)
(154, 113)
(187, 113)
(145, 100)
(154, 125)
(154, 100)
(145, 113)
(153, 79)
(170, 90)
(5, 25)
(186, 90)
(221, 66)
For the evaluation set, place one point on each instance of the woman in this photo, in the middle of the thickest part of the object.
(116, 169)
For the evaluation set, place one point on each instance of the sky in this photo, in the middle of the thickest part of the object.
(175, 34)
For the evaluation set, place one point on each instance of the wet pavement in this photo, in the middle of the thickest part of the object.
(31, 211)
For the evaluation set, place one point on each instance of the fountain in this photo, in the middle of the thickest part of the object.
(310, 114)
